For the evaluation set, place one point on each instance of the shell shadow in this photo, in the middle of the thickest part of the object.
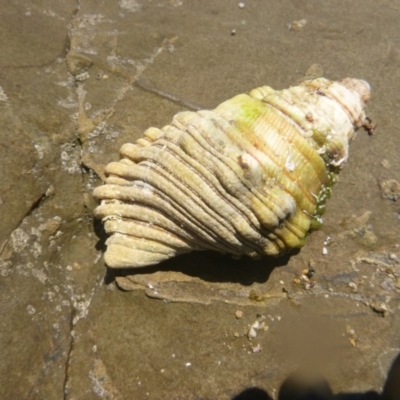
(212, 267)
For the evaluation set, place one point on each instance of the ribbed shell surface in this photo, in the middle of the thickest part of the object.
(246, 178)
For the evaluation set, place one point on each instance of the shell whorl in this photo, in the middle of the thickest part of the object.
(249, 177)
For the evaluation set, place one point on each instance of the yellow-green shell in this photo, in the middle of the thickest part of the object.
(250, 177)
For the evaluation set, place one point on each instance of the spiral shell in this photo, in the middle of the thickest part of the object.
(250, 177)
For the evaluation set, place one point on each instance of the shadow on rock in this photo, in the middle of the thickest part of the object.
(321, 391)
(214, 267)
(391, 390)
(101, 234)
(300, 386)
(253, 393)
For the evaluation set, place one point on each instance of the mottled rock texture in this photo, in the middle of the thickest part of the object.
(80, 78)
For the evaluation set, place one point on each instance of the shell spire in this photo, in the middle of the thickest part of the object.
(250, 177)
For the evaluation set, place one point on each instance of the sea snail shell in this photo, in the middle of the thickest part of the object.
(250, 177)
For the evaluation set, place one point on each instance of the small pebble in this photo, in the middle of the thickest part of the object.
(111, 286)
(257, 325)
(238, 314)
(304, 278)
(252, 333)
(256, 349)
(353, 285)
(297, 25)
(380, 308)
(241, 5)
(31, 310)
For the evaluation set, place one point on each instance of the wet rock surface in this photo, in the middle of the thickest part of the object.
(80, 78)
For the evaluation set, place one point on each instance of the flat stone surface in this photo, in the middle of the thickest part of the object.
(80, 78)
